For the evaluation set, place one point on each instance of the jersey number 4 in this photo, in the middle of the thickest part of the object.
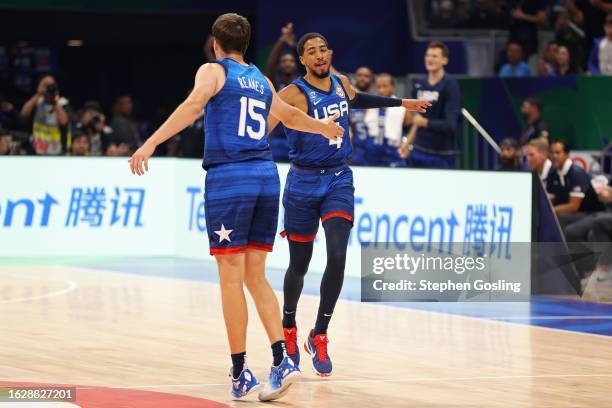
(249, 105)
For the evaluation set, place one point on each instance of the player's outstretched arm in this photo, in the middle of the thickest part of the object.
(296, 119)
(363, 100)
(209, 79)
(290, 95)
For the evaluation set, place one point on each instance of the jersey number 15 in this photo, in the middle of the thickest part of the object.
(248, 104)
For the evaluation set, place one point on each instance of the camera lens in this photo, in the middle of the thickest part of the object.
(51, 89)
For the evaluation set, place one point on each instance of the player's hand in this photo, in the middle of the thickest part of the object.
(403, 151)
(140, 158)
(287, 34)
(605, 195)
(415, 105)
(333, 131)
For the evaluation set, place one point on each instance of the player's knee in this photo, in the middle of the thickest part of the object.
(230, 262)
(231, 283)
(297, 269)
(254, 280)
(336, 259)
(299, 258)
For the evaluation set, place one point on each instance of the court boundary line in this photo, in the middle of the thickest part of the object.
(72, 285)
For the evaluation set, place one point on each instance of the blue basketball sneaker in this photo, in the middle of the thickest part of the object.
(244, 384)
(316, 346)
(281, 378)
(293, 350)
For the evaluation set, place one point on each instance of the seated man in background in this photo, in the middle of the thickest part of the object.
(510, 156)
(546, 63)
(536, 152)
(385, 128)
(580, 230)
(515, 67)
(574, 196)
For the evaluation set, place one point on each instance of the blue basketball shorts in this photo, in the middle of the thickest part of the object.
(241, 206)
(313, 194)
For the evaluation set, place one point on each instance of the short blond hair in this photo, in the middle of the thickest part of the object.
(540, 144)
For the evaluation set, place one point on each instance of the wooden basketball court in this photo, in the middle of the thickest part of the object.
(138, 333)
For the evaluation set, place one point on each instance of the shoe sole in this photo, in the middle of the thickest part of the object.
(251, 391)
(284, 389)
(310, 352)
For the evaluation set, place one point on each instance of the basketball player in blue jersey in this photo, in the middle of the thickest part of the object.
(242, 190)
(320, 187)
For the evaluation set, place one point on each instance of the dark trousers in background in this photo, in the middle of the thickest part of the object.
(584, 233)
(602, 232)
(576, 228)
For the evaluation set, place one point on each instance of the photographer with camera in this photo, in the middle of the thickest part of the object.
(93, 124)
(50, 128)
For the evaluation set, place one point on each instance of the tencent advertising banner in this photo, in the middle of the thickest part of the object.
(96, 207)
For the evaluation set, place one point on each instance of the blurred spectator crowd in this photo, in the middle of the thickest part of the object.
(581, 31)
(47, 124)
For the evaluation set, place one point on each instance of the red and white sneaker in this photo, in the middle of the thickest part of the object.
(316, 346)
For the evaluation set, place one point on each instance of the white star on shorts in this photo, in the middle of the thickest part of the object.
(224, 234)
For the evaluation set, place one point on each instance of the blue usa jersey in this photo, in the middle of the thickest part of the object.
(236, 117)
(312, 149)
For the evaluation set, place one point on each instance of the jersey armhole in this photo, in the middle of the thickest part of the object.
(220, 62)
(343, 88)
(225, 68)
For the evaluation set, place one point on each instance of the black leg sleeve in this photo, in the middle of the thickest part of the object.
(300, 254)
(337, 231)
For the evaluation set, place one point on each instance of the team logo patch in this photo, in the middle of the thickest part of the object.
(339, 91)
(312, 95)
